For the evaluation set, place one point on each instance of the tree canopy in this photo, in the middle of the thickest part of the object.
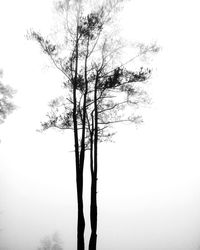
(100, 89)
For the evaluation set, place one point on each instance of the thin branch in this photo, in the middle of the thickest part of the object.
(123, 64)
(69, 100)
(56, 65)
(95, 44)
(118, 121)
(111, 108)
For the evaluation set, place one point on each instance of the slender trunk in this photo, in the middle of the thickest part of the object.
(93, 215)
(93, 205)
(82, 153)
(81, 220)
(79, 164)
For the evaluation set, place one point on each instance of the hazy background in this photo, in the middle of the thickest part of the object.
(157, 164)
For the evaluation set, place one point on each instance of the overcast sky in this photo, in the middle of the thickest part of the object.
(152, 200)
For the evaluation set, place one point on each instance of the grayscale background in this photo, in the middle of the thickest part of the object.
(157, 163)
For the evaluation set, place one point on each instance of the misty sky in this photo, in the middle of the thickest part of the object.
(149, 179)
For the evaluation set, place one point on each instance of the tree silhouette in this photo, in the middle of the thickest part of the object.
(98, 89)
(6, 106)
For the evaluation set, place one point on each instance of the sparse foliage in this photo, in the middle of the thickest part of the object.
(98, 88)
(51, 243)
(6, 106)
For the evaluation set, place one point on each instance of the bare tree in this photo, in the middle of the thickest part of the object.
(99, 88)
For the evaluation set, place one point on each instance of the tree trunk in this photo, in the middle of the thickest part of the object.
(79, 159)
(93, 205)
(93, 215)
(81, 220)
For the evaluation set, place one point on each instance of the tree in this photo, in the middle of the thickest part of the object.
(99, 88)
(6, 106)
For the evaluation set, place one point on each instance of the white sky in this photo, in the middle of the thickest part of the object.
(149, 179)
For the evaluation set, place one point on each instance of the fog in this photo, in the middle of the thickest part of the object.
(148, 184)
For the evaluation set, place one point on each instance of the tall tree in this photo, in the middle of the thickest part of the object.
(99, 88)
(6, 106)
